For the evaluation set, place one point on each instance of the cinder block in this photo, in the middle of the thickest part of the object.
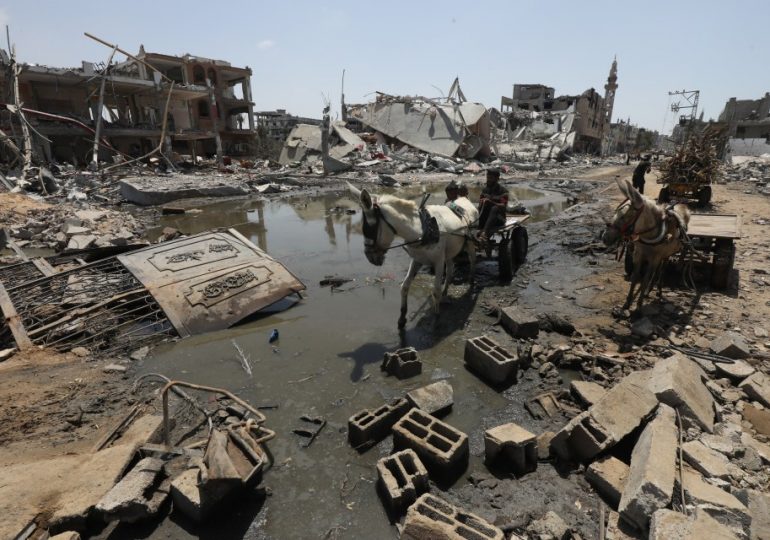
(490, 360)
(403, 478)
(434, 518)
(369, 426)
(513, 445)
(441, 447)
(403, 363)
(520, 324)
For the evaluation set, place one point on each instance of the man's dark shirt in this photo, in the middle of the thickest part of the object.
(643, 167)
(496, 192)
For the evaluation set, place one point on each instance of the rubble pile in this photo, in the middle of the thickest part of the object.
(753, 170)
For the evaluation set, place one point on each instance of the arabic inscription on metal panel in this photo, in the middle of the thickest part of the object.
(225, 286)
(194, 254)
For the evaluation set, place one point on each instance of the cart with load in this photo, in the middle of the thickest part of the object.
(509, 244)
(689, 173)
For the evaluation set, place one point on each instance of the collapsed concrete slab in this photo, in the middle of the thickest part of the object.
(718, 503)
(677, 381)
(587, 392)
(670, 525)
(758, 504)
(138, 495)
(608, 477)
(435, 519)
(730, 345)
(513, 445)
(650, 483)
(152, 191)
(757, 387)
(618, 413)
(709, 462)
(735, 371)
(304, 143)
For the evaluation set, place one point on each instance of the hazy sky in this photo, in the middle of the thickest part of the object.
(298, 49)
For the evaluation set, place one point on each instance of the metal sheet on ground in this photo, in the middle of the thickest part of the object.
(210, 281)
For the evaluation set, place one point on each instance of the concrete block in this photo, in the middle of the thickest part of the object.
(608, 477)
(617, 529)
(513, 446)
(544, 445)
(758, 504)
(436, 398)
(69, 535)
(138, 495)
(81, 241)
(403, 478)
(719, 504)
(737, 371)
(440, 446)
(435, 519)
(677, 381)
(671, 525)
(614, 416)
(710, 463)
(757, 387)
(370, 426)
(403, 363)
(587, 392)
(187, 495)
(490, 360)
(520, 324)
(730, 345)
(650, 483)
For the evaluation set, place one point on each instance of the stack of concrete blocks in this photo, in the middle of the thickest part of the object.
(403, 363)
(368, 427)
(512, 444)
(403, 478)
(620, 411)
(492, 362)
(440, 446)
(431, 517)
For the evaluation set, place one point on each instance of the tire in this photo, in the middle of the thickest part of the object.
(504, 261)
(704, 196)
(665, 195)
(519, 245)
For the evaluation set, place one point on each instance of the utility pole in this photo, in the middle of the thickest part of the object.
(690, 102)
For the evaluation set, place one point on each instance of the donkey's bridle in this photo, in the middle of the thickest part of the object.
(627, 229)
(372, 232)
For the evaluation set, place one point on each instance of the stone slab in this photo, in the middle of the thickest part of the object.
(735, 371)
(718, 503)
(587, 392)
(149, 191)
(758, 504)
(677, 381)
(757, 387)
(650, 483)
(759, 418)
(434, 398)
(671, 525)
(520, 324)
(134, 497)
(608, 477)
(707, 461)
(730, 345)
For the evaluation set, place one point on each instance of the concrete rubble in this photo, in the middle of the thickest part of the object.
(138, 495)
(608, 476)
(432, 517)
(436, 398)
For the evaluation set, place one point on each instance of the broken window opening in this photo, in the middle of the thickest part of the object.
(212, 76)
(203, 108)
(199, 75)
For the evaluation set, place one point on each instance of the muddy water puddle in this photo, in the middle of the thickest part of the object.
(324, 364)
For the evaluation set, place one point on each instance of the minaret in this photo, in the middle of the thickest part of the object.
(609, 95)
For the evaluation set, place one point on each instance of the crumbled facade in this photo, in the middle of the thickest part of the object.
(277, 125)
(210, 100)
(747, 118)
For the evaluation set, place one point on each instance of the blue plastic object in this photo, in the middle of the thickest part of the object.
(273, 336)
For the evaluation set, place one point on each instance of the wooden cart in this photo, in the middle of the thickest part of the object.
(713, 235)
(511, 243)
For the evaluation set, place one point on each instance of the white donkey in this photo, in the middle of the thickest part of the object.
(386, 217)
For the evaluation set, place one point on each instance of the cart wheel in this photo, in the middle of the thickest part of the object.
(724, 258)
(665, 195)
(519, 245)
(628, 260)
(704, 196)
(504, 261)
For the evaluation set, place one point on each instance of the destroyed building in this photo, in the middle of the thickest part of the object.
(529, 97)
(210, 105)
(278, 124)
(747, 118)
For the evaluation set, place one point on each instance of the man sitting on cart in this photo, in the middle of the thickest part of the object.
(492, 204)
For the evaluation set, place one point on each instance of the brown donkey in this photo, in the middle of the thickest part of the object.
(658, 232)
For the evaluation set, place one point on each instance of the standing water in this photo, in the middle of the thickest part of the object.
(325, 363)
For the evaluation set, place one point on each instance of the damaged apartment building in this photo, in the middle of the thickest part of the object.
(576, 122)
(210, 109)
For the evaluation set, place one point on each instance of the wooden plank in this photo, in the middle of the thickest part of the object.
(511, 220)
(13, 320)
(18, 250)
(45, 268)
(715, 225)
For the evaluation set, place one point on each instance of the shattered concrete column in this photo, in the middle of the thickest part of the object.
(215, 120)
(325, 140)
(650, 483)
